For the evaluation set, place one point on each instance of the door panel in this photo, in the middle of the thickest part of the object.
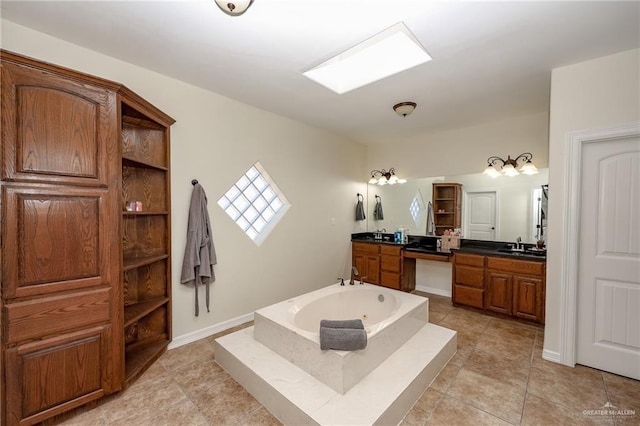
(608, 321)
(499, 292)
(55, 130)
(56, 239)
(57, 374)
(481, 216)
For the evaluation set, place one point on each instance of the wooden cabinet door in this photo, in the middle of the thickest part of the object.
(499, 292)
(56, 129)
(528, 299)
(47, 377)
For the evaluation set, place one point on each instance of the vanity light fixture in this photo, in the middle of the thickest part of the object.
(508, 167)
(404, 108)
(384, 177)
(234, 8)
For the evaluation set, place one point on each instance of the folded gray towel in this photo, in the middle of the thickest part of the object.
(352, 323)
(342, 339)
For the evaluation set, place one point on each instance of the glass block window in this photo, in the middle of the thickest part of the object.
(255, 203)
(417, 208)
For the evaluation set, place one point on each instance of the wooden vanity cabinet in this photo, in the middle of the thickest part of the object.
(468, 279)
(516, 287)
(383, 264)
(366, 258)
(499, 284)
(61, 311)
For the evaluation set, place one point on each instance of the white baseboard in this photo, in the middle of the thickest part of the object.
(209, 331)
(433, 290)
(551, 356)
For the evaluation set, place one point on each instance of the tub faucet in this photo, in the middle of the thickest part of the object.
(354, 274)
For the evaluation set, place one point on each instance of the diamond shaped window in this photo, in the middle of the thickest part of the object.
(255, 203)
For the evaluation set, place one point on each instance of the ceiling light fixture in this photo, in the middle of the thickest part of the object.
(384, 177)
(393, 50)
(404, 108)
(235, 8)
(508, 166)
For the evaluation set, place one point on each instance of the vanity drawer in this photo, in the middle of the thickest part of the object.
(514, 265)
(468, 296)
(366, 248)
(469, 276)
(390, 263)
(390, 250)
(390, 279)
(469, 259)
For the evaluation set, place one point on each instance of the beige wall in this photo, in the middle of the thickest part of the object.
(216, 139)
(584, 96)
(464, 150)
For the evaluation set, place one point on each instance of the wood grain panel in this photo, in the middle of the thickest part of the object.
(144, 236)
(56, 129)
(144, 145)
(469, 275)
(50, 374)
(145, 185)
(390, 263)
(499, 292)
(528, 298)
(468, 259)
(514, 265)
(56, 239)
(57, 132)
(366, 248)
(144, 283)
(55, 314)
(468, 296)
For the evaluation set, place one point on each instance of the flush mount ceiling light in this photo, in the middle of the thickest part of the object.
(234, 8)
(508, 166)
(389, 52)
(404, 108)
(384, 177)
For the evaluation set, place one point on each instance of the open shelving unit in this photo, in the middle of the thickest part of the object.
(146, 235)
(447, 199)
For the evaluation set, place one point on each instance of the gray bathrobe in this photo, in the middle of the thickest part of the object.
(199, 254)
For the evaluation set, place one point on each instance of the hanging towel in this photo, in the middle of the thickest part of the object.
(199, 254)
(360, 208)
(431, 226)
(377, 210)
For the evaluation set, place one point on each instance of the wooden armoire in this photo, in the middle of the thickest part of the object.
(86, 238)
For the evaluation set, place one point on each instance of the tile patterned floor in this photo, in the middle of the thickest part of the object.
(498, 377)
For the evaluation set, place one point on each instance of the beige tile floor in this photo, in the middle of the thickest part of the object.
(497, 377)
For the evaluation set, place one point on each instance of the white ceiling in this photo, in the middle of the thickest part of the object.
(490, 59)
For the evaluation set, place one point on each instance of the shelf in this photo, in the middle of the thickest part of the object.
(136, 262)
(132, 162)
(132, 313)
(139, 359)
(445, 199)
(145, 213)
(444, 212)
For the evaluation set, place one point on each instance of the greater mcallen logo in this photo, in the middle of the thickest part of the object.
(609, 409)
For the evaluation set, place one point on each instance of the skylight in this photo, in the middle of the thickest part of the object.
(389, 52)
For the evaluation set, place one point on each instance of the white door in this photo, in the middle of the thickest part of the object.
(608, 320)
(480, 217)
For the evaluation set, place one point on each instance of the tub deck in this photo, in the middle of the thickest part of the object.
(295, 397)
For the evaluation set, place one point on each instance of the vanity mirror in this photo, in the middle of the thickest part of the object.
(512, 206)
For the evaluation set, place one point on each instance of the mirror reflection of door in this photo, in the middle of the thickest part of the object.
(480, 216)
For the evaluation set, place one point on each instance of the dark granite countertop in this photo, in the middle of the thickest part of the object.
(428, 245)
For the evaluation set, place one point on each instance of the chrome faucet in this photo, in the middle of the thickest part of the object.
(354, 273)
(518, 245)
